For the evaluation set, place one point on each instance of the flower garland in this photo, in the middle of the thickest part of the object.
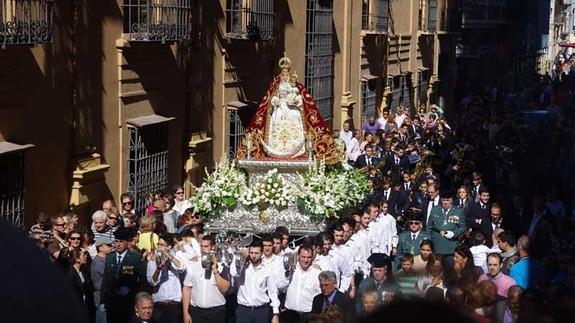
(272, 190)
(221, 189)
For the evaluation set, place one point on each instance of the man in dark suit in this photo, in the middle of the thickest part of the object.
(477, 180)
(396, 163)
(124, 273)
(396, 203)
(493, 222)
(331, 296)
(519, 216)
(367, 159)
(428, 204)
(144, 309)
(479, 211)
(406, 184)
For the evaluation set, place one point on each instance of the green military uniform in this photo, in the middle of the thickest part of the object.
(406, 243)
(452, 221)
(120, 284)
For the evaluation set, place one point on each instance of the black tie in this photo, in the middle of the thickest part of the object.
(406, 187)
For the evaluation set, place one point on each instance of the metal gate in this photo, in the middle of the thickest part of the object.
(147, 161)
(406, 91)
(319, 55)
(250, 19)
(12, 187)
(432, 18)
(394, 84)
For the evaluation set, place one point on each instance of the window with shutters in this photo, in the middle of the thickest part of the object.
(25, 22)
(319, 55)
(432, 16)
(375, 15)
(157, 20)
(368, 97)
(394, 84)
(250, 19)
(406, 90)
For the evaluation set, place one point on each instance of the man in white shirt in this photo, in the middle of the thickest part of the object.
(346, 134)
(362, 244)
(329, 259)
(257, 290)
(345, 253)
(274, 261)
(303, 287)
(205, 286)
(385, 231)
(163, 274)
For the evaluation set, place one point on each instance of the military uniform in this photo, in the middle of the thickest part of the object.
(387, 290)
(452, 221)
(120, 285)
(408, 245)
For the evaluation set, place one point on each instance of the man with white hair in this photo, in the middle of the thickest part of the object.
(100, 226)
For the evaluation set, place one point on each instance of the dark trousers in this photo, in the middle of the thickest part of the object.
(216, 314)
(246, 314)
(167, 313)
(294, 317)
(120, 309)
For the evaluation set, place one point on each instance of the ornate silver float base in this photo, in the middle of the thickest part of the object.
(256, 221)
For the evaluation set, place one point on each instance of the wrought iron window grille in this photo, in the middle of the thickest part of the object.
(250, 19)
(12, 187)
(423, 84)
(319, 55)
(369, 97)
(406, 90)
(375, 16)
(147, 162)
(25, 22)
(157, 20)
(395, 84)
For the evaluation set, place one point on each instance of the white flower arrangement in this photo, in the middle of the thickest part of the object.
(322, 195)
(319, 194)
(271, 190)
(221, 189)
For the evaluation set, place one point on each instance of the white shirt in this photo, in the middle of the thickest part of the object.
(362, 251)
(345, 136)
(192, 249)
(257, 287)
(385, 234)
(277, 270)
(169, 289)
(344, 253)
(205, 292)
(352, 149)
(302, 289)
(182, 206)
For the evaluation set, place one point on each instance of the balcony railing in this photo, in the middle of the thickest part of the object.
(157, 20)
(250, 19)
(25, 22)
(375, 16)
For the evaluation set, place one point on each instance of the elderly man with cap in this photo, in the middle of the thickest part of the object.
(410, 240)
(124, 272)
(447, 224)
(103, 248)
(381, 280)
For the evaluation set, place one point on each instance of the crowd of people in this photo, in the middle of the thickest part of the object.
(471, 211)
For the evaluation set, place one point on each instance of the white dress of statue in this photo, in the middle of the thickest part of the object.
(285, 137)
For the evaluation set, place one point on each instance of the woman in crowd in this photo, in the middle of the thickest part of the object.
(77, 279)
(434, 275)
(425, 252)
(170, 215)
(148, 240)
(465, 273)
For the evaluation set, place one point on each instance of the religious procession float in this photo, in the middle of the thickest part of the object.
(288, 171)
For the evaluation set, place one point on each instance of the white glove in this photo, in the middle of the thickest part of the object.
(449, 234)
(102, 308)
